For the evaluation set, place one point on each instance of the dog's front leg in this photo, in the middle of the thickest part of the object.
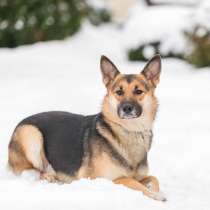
(151, 182)
(136, 185)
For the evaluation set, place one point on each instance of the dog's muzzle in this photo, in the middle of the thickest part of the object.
(129, 110)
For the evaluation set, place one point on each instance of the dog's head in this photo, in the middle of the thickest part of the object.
(130, 97)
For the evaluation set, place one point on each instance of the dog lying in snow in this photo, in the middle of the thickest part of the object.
(112, 144)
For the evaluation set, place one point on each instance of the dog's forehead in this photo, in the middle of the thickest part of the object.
(129, 79)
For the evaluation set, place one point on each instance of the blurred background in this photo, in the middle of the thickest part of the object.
(49, 60)
(179, 29)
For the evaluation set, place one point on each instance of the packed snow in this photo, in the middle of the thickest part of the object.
(65, 75)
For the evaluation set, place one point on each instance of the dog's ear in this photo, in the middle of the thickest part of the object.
(108, 69)
(152, 70)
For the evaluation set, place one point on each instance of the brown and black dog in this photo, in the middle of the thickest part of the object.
(112, 144)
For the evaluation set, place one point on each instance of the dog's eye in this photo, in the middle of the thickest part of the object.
(119, 92)
(138, 91)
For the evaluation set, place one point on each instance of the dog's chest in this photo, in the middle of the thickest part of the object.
(134, 146)
(132, 153)
(126, 153)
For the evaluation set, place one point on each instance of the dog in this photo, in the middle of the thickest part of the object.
(113, 144)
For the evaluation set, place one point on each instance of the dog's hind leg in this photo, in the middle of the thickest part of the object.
(26, 151)
(17, 160)
(134, 184)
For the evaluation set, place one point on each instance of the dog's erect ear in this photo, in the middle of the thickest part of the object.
(152, 70)
(108, 69)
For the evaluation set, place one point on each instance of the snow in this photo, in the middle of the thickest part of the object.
(100, 4)
(164, 24)
(201, 15)
(65, 75)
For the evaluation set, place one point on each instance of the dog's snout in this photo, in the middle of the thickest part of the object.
(127, 108)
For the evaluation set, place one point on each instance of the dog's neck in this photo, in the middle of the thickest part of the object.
(138, 130)
(141, 135)
(132, 145)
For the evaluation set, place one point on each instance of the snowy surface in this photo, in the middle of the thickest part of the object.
(162, 24)
(166, 24)
(66, 76)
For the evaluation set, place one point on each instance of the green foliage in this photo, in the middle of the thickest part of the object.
(138, 54)
(97, 17)
(30, 21)
(199, 55)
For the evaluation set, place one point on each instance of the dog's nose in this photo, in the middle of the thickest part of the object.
(127, 108)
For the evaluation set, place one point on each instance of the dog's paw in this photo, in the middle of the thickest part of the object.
(49, 177)
(159, 196)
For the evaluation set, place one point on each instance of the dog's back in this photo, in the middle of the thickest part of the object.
(63, 136)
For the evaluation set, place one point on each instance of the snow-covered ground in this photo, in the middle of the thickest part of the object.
(65, 76)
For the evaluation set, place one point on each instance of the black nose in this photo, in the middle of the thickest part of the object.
(127, 108)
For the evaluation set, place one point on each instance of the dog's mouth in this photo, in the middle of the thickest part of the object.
(127, 117)
(129, 110)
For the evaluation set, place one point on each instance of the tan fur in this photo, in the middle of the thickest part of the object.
(147, 100)
(100, 165)
(29, 149)
(141, 173)
(126, 129)
(65, 178)
(130, 140)
(152, 183)
(129, 144)
(103, 166)
(134, 184)
(17, 160)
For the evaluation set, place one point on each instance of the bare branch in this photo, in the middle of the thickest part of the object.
(174, 3)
